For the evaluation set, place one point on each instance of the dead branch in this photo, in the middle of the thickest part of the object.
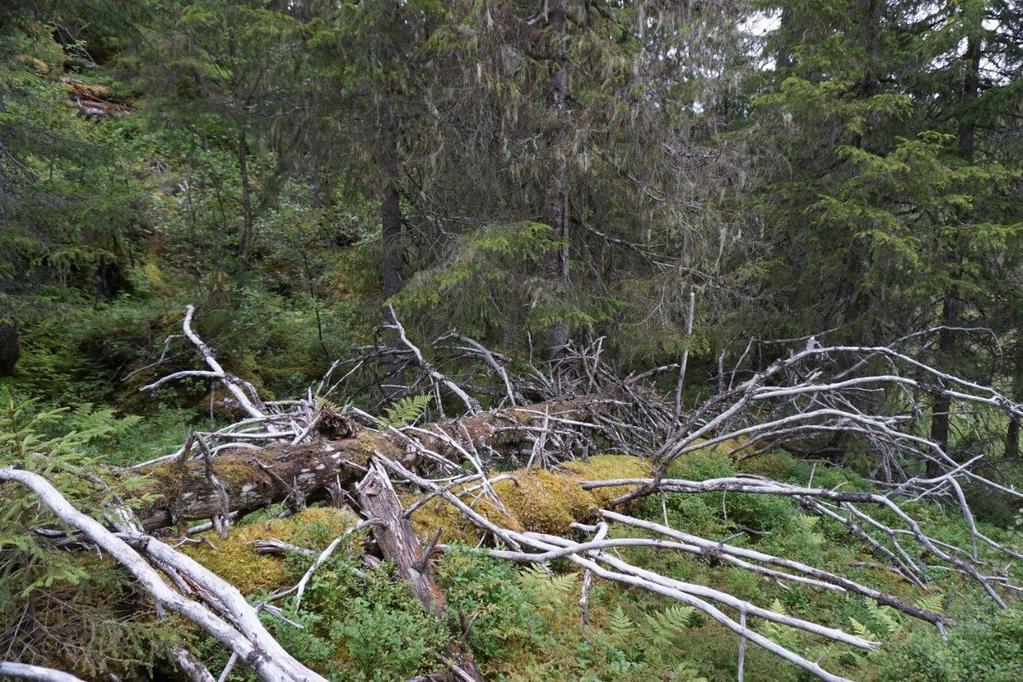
(287, 450)
(471, 404)
(396, 540)
(249, 402)
(237, 626)
(23, 671)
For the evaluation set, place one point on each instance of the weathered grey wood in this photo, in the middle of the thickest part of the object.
(238, 627)
(255, 478)
(23, 671)
(398, 542)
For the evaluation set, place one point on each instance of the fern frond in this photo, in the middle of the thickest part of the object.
(885, 617)
(675, 618)
(407, 410)
(859, 629)
(931, 602)
(620, 624)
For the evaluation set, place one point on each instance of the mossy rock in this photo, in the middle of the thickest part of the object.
(235, 559)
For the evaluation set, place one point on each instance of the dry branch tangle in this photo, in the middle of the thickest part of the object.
(293, 450)
(237, 626)
(255, 478)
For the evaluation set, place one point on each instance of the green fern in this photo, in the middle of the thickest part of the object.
(674, 619)
(664, 626)
(885, 617)
(859, 629)
(882, 622)
(322, 402)
(931, 602)
(621, 625)
(547, 586)
(779, 633)
(407, 411)
(686, 671)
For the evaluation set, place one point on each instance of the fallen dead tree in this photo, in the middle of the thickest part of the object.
(301, 450)
(294, 473)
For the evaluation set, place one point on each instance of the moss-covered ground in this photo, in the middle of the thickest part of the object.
(522, 624)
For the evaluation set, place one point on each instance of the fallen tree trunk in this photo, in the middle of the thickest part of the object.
(292, 473)
(398, 543)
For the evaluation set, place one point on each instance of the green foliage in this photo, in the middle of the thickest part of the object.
(500, 607)
(85, 612)
(358, 629)
(664, 627)
(979, 650)
(854, 185)
(509, 254)
(407, 410)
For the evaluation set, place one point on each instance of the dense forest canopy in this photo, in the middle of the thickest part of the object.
(767, 250)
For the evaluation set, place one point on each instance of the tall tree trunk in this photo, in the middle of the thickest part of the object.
(1012, 432)
(783, 56)
(971, 86)
(245, 245)
(392, 232)
(941, 406)
(872, 43)
(10, 346)
(951, 307)
(555, 211)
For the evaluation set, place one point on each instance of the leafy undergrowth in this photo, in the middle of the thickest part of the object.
(519, 623)
(522, 624)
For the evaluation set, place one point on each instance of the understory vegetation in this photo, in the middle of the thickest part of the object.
(563, 281)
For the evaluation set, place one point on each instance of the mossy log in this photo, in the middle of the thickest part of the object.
(180, 492)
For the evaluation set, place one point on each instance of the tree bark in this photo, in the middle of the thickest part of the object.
(950, 305)
(556, 201)
(254, 479)
(398, 543)
(942, 404)
(248, 222)
(1013, 430)
(872, 41)
(392, 233)
(10, 348)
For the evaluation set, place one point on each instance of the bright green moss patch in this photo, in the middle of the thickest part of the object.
(235, 559)
(608, 467)
(544, 501)
(534, 499)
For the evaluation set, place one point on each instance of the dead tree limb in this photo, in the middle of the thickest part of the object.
(237, 627)
(398, 543)
(192, 666)
(253, 478)
(471, 404)
(249, 402)
(23, 671)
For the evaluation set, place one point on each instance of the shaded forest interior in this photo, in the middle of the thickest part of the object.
(543, 339)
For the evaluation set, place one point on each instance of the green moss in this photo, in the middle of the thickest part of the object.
(235, 559)
(534, 499)
(455, 528)
(544, 501)
(702, 464)
(607, 467)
